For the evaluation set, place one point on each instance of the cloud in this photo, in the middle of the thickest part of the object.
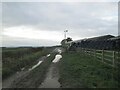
(60, 0)
(8, 41)
(29, 33)
(48, 20)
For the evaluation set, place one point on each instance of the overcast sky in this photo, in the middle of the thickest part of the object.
(43, 23)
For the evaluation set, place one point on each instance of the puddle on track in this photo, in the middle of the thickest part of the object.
(48, 55)
(35, 65)
(51, 80)
(57, 58)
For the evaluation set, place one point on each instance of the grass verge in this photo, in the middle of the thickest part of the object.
(78, 70)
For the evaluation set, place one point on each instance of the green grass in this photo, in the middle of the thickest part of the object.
(79, 70)
(16, 58)
(18, 52)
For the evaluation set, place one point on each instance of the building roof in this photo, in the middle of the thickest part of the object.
(105, 37)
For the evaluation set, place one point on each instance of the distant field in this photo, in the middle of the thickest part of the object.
(80, 70)
(14, 59)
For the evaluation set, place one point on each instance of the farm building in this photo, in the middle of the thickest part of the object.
(107, 42)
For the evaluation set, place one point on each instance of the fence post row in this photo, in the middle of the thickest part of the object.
(94, 53)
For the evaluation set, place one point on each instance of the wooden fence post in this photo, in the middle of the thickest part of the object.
(113, 58)
(94, 53)
(90, 51)
(102, 55)
(85, 50)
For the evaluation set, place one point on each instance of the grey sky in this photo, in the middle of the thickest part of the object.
(43, 23)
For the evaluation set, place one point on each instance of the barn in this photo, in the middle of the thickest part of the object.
(106, 42)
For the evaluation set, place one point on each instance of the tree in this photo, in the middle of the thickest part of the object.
(63, 42)
(66, 40)
(69, 39)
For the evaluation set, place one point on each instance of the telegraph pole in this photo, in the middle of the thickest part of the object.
(65, 33)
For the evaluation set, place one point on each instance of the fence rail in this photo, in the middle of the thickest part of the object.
(111, 58)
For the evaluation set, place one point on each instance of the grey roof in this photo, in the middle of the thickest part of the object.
(105, 37)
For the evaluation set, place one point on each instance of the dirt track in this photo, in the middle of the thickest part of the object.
(52, 77)
(23, 79)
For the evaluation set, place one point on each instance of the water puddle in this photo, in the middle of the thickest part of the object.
(57, 58)
(35, 65)
(48, 55)
(39, 62)
(22, 68)
(59, 51)
(52, 77)
(51, 80)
